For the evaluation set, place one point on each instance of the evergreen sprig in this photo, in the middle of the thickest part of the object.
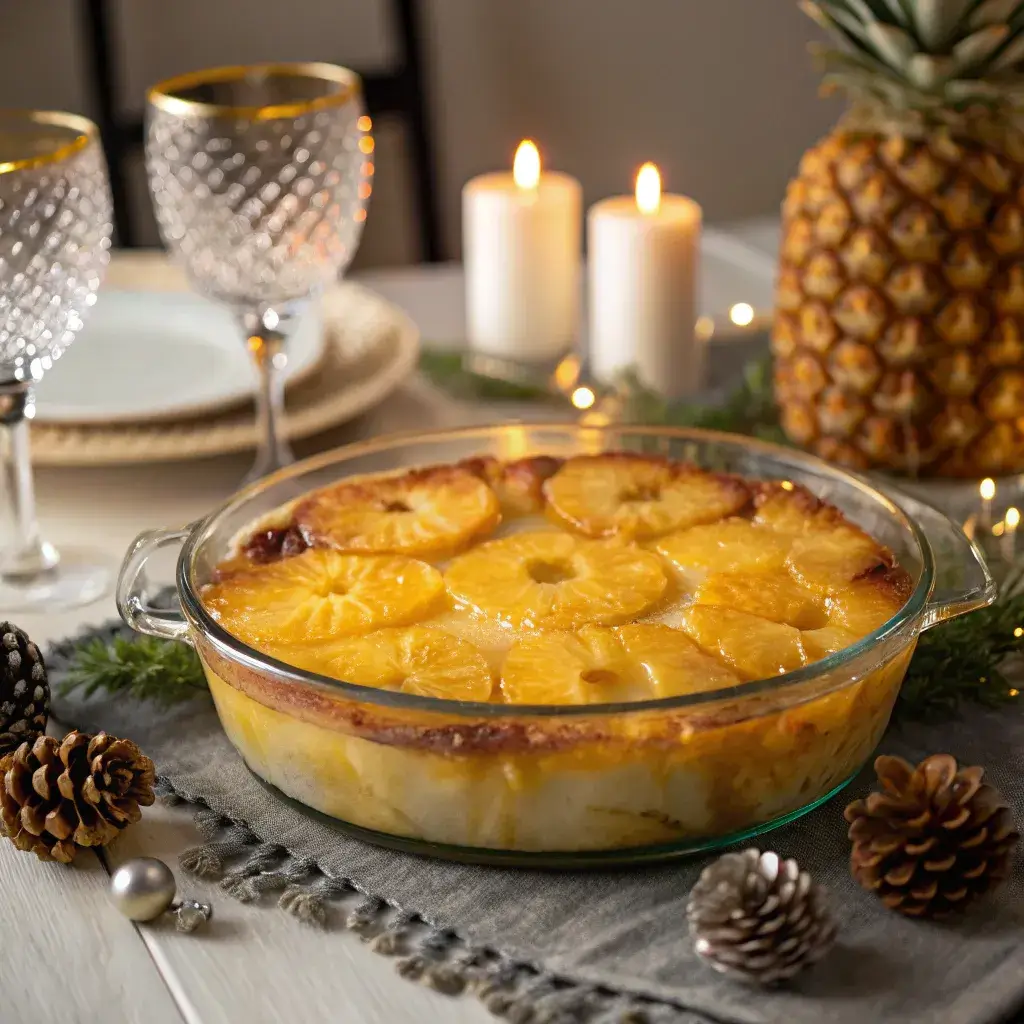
(748, 409)
(449, 371)
(965, 660)
(166, 672)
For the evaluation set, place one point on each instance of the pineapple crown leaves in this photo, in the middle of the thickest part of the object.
(932, 60)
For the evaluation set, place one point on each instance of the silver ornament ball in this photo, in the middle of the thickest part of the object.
(143, 888)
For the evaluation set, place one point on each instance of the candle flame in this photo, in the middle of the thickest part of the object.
(648, 189)
(988, 488)
(526, 166)
(1012, 518)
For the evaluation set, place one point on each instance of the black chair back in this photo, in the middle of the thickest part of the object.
(398, 92)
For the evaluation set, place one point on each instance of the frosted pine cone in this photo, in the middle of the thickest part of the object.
(758, 917)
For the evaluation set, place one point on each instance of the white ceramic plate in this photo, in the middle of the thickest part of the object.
(151, 355)
(370, 348)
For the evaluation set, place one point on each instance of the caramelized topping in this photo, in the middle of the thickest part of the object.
(613, 577)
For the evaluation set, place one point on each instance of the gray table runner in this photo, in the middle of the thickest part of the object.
(606, 946)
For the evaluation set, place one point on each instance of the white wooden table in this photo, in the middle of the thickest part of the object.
(65, 953)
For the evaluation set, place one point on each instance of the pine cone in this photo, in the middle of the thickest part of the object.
(24, 690)
(936, 839)
(759, 917)
(57, 795)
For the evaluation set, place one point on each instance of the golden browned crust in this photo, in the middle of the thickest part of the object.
(432, 732)
(437, 733)
(890, 581)
(772, 499)
(444, 735)
(793, 508)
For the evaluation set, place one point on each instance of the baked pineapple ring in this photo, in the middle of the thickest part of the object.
(321, 594)
(604, 664)
(419, 660)
(658, 580)
(425, 512)
(549, 580)
(638, 496)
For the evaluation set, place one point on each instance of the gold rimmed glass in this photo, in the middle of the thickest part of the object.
(55, 224)
(260, 175)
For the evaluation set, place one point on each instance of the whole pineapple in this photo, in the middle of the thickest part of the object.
(899, 333)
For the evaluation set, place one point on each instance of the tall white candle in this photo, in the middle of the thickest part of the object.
(521, 247)
(642, 254)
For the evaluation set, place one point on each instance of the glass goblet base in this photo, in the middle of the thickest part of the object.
(78, 578)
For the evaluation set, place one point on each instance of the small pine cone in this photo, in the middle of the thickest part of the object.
(24, 689)
(934, 840)
(57, 795)
(758, 917)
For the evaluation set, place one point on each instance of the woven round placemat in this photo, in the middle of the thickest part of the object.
(371, 347)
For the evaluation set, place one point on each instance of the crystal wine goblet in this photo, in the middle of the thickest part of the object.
(260, 176)
(55, 224)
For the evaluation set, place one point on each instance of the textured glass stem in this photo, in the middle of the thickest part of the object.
(267, 347)
(26, 554)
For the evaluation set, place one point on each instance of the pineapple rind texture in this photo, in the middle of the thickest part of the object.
(702, 582)
(898, 334)
(899, 320)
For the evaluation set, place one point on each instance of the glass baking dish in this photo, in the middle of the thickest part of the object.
(562, 785)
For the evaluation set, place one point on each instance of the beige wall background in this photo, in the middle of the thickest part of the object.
(720, 93)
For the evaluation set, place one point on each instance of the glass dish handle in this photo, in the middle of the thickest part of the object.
(963, 582)
(132, 596)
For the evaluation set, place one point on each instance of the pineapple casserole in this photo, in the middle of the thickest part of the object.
(899, 331)
(605, 578)
(556, 586)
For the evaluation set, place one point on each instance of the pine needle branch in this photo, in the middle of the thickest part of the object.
(964, 661)
(166, 672)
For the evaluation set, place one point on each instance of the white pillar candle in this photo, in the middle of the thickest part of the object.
(521, 247)
(642, 254)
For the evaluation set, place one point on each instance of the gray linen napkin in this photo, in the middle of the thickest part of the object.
(604, 946)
